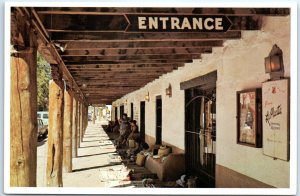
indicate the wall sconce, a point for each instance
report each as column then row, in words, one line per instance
column 126, row 102
column 169, row 91
column 147, row 97
column 274, row 63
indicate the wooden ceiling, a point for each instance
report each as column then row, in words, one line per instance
column 106, row 62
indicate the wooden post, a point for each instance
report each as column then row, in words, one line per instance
column 79, row 125
column 74, row 128
column 86, row 116
column 23, row 105
column 94, row 116
column 67, row 136
column 81, row 122
column 55, row 135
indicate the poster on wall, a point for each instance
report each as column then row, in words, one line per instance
column 276, row 119
column 248, row 117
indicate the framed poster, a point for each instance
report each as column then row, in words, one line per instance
column 276, row 119
column 249, row 118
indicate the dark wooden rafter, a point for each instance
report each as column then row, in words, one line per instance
column 135, row 52
column 143, row 37
column 212, row 10
column 130, row 62
column 117, row 82
column 137, row 58
column 122, row 66
column 94, row 45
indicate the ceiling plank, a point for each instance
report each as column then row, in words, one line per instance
column 142, row 37
column 122, row 66
column 128, row 10
column 133, row 52
column 130, row 62
column 92, row 45
column 139, row 57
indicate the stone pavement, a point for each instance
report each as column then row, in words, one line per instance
column 93, row 155
column 98, row 164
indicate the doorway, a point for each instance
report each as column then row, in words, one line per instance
column 131, row 111
column 121, row 110
column 116, row 113
column 158, row 120
column 142, row 120
column 200, row 130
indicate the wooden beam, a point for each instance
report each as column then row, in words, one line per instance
column 23, row 120
column 94, row 45
column 75, row 128
column 105, row 89
column 79, row 125
column 116, row 76
column 121, row 70
column 55, row 134
column 99, row 70
column 122, row 66
column 133, row 58
column 68, row 126
column 94, row 115
column 164, row 61
column 148, row 37
column 115, row 80
column 134, row 52
column 81, row 122
column 23, row 104
column 112, row 84
column 157, row 10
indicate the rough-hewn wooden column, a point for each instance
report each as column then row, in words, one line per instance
column 55, row 126
column 79, row 124
column 81, row 121
column 94, row 115
column 84, row 119
column 74, row 128
column 23, row 104
column 67, row 136
column 86, row 116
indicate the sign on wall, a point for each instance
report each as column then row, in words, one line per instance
column 276, row 119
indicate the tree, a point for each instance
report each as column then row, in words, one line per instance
column 43, row 77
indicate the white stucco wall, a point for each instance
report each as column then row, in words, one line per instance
column 240, row 65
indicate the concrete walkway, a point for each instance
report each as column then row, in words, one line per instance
column 94, row 157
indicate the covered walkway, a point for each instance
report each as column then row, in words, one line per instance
column 98, row 163
column 92, row 155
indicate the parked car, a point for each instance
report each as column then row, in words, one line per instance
column 44, row 116
column 42, row 129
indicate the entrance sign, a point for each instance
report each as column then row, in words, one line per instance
column 276, row 119
column 177, row 23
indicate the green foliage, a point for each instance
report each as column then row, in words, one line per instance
column 43, row 77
